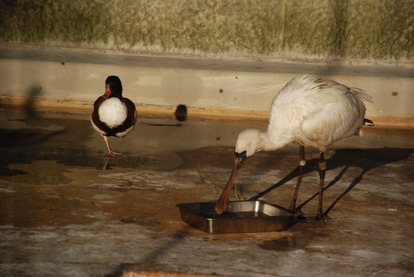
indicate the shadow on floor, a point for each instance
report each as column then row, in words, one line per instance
column 26, row 136
column 366, row 159
column 149, row 263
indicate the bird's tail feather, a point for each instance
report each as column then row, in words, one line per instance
column 361, row 95
column 368, row 122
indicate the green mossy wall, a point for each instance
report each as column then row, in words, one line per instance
column 351, row 29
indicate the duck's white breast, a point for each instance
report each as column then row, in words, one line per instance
column 112, row 112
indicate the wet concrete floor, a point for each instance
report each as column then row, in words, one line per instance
column 61, row 214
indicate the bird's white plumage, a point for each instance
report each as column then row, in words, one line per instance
column 126, row 132
column 112, row 112
column 309, row 110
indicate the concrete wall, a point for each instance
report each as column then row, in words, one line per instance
column 223, row 56
column 285, row 29
column 219, row 87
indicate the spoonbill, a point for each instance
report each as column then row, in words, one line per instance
column 310, row 111
column 113, row 115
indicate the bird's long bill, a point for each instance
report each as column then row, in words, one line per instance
column 221, row 204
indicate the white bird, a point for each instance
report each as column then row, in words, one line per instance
column 310, row 111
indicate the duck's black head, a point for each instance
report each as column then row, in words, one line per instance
column 113, row 87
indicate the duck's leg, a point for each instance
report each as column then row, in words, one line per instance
column 110, row 153
column 302, row 164
column 106, row 165
column 322, row 170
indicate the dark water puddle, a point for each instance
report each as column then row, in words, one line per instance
column 25, row 136
column 66, row 156
column 7, row 172
column 39, row 172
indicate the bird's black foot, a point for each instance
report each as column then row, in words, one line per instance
column 296, row 211
column 308, row 219
column 321, row 217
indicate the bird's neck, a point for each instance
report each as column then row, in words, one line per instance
column 271, row 143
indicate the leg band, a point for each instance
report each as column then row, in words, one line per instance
column 322, row 165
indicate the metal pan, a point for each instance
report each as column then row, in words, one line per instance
column 240, row 217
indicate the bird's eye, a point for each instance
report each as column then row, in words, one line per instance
column 242, row 155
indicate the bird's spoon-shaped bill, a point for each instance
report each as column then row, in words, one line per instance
column 221, row 204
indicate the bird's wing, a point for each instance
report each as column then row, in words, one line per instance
column 96, row 122
column 331, row 115
column 316, row 111
column 131, row 111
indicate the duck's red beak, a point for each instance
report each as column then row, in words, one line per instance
column 108, row 91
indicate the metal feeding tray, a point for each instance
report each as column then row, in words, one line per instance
column 240, row 217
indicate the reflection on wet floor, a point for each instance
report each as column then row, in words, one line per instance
column 54, row 195
column 70, row 140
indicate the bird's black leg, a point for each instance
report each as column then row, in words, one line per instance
column 302, row 164
column 322, row 170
